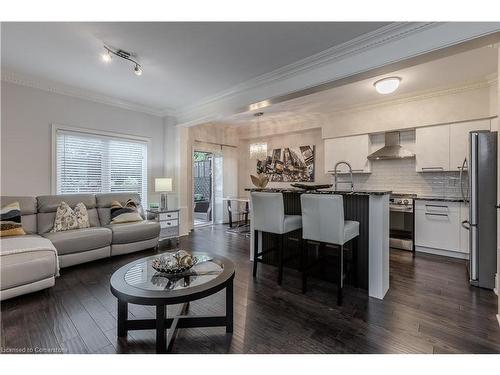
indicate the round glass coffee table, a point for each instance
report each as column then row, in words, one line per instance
column 140, row 284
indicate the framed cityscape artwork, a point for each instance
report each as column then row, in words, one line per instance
column 290, row 164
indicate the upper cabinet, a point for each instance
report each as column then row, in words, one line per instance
column 432, row 148
column 459, row 135
column 444, row 147
column 353, row 150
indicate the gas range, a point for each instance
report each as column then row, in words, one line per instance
column 401, row 202
column 402, row 221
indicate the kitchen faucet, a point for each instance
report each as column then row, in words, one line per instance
column 346, row 182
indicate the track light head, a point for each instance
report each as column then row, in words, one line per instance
column 137, row 70
column 106, row 57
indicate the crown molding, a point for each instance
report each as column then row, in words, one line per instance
column 75, row 92
column 374, row 39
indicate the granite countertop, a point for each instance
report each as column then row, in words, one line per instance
column 438, row 198
column 321, row 191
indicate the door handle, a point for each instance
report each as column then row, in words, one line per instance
column 464, row 224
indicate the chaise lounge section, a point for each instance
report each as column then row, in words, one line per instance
column 28, row 263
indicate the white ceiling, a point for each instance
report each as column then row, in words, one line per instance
column 460, row 69
column 182, row 62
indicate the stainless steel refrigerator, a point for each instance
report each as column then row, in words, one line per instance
column 481, row 165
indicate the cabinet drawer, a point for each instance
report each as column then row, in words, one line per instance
column 169, row 216
column 438, row 227
column 437, row 206
column 169, row 224
column 169, row 232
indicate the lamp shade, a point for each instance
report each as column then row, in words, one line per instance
column 163, row 184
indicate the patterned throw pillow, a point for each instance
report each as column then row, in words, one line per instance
column 65, row 218
column 10, row 218
column 124, row 214
column 82, row 216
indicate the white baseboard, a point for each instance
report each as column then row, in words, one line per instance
column 446, row 253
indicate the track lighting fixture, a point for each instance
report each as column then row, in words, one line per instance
column 107, row 56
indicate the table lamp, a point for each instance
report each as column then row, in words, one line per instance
column 163, row 185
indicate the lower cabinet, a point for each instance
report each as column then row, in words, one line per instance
column 438, row 228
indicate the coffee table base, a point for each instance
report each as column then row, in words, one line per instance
column 162, row 324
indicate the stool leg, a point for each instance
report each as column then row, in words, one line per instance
column 255, row 251
column 303, row 261
column 341, row 276
column 280, row 258
column 355, row 261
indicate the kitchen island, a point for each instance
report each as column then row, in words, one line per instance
column 371, row 210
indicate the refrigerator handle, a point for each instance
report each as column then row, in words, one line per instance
column 464, row 167
column 466, row 224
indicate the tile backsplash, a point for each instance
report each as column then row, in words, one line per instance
column 400, row 176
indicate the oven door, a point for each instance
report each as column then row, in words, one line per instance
column 401, row 228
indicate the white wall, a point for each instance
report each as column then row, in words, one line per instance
column 27, row 115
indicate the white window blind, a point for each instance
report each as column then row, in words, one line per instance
column 88, row 163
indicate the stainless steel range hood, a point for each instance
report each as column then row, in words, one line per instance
column 392, row 149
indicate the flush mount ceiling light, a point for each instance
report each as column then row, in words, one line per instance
column 387, row 85
column 107, row 57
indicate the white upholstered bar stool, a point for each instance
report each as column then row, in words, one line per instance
column 269, row 216
column 323, row 222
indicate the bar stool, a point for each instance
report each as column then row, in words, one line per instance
column 323, row 222
column 269, row 216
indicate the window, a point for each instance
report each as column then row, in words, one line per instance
column 92, row 163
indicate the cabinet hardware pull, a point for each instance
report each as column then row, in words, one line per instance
column 432, row 214
column 462, row 168
column 432, row 168
column 436, row 205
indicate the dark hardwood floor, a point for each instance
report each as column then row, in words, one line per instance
column 430, row 308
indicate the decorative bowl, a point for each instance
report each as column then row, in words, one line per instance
column 260, row 181
column 179, row 262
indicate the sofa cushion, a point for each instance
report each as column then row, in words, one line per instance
column 26, row 259
column 47, row 207
column 28, row 211
column 134, row 232
column 49, row 203
column 77, row 240
column 10, row 220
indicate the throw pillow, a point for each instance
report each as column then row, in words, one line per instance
column 124, row 214
column 10, row 220
column 65, row 218
column 82, row 216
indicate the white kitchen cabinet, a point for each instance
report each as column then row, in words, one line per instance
column 437, row 225
column 459, row 135
column 432, row 148
column 353, row 150
column 464, row 233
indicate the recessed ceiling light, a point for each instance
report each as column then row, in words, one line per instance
column 387, row 85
